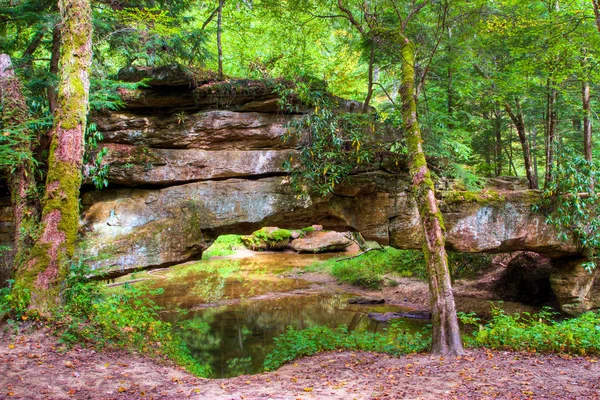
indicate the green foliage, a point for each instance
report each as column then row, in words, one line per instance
column 301, row 343
column 332, row 143
column 536, row 332
column 571, row 203
column 127, row 319
column 368, row 270
column 225, row 245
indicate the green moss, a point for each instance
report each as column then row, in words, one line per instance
column 267, row 239
column 484, row 197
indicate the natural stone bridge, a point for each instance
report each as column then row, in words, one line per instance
column 186, row 173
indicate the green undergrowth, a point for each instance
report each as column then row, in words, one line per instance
column 538, row 332
column 225, row 245
column 300, row 343
column 377, row 268
column 125, row 319
column 368, row 270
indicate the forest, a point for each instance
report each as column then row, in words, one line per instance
column 299, row 199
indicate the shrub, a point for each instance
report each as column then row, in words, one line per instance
column 225, row 245
column 127, row 319
column 536, row 332
column 294, row 344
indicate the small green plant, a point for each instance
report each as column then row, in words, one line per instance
column 536, row 332
column 294, row 344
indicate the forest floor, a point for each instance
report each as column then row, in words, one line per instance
column 34, row 365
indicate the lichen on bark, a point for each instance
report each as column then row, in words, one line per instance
column 48, row 262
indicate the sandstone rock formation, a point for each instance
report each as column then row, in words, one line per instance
column 576, row 289
column 191, row 159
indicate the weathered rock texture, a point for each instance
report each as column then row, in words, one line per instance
column 576, row 289
column 320, row 242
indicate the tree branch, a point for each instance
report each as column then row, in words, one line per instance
column 350, row 17
column 210, row 18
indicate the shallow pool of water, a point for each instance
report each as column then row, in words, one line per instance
column 238, row 337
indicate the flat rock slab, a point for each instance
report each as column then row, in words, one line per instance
column 321, row 242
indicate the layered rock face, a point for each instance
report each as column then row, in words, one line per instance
column 188, row 164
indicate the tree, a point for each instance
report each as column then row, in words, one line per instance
column 17, row 157
column 37, row 281
column 446, row 333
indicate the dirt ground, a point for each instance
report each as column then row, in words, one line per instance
column 35, row 366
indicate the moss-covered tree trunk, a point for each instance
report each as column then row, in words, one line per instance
column 446, row 333
column 21, row 174
column 38, row 282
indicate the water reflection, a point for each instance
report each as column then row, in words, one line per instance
column 237, row 338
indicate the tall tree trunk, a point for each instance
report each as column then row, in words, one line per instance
column 38, row 282
column 370, row 84
column 21, row 179
column 446, row 333
column 219, row 46
column 533, row 137
column 498, row 137
column 550, row 130
column 26, row 58
column 519, row 123
column 587, row 121
column 54, row 58
column 596, row 13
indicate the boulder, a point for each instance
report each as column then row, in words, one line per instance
column 320, row 242
column 576, row 289
column 268, row 238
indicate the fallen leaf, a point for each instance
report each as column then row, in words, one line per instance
column 308, row 389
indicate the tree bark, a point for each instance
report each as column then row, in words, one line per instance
column 446, row 334
column 219, row 46
column 587, row 121
column 596, row 13
column 498, row 138
column 550, row 130
column 54, row 57
column 33, row 45
column 38, row 282
column 370, row 84
column 22, row 177
column 519, row 123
